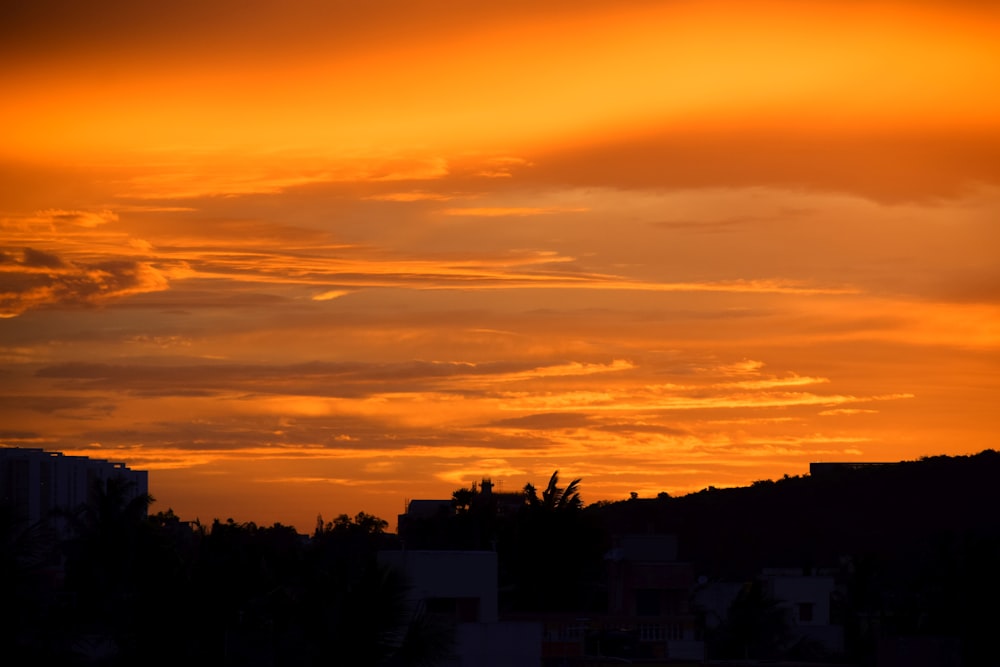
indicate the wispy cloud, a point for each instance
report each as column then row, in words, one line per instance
column 627, row 402
column 414, row 196
column 329, row 295
column 59, row 217
column 185, row 177
column 510, row 211
column 40, row 279
column 502, row 167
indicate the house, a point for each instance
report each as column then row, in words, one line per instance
column 805, row 596
column 649, row 611
column 460, row 588
column 647, row 618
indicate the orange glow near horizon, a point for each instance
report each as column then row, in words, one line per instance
column 318, row 258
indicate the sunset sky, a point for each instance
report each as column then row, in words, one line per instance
column 321, row 257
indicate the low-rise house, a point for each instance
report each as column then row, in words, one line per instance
column 805, row 597
column 649, row 594
column 460, row 588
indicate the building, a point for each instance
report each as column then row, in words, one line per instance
column 648, row 619
column 460, row 588
column 36, row 484
column 806, row 598
column 919, row 652
column 827, row 469
column 479, row 499
column 649, row 594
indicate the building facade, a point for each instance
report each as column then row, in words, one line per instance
column 36, row 485
column 460, row 588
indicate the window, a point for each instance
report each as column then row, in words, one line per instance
column 647, row 602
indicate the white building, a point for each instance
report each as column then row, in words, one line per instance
column 806, row 600
column 34, row 483
column 461, row 587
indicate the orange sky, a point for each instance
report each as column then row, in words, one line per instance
column 312, row 257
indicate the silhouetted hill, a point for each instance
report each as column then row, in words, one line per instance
column 901, row 512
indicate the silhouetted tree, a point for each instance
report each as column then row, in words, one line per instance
column 551, row 554
column 105, row 562
column 367, row 524
column 755, row 627
column 461, row 499
column 554, row 497
column 28, row 585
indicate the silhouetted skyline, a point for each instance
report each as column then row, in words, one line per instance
column 889, row 565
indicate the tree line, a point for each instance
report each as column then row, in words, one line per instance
column 128, row 588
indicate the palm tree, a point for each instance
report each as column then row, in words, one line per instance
column 552, row 552
column 553, row 497
column 109, row 524
column 756, row 626
column 107, row 556
column 461, row 499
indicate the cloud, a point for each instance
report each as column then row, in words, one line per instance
column 544, row 421
column 502, row 167
column 731, row 223
column 330, row 295
column 90, row 219
column 75, row 407
column 153, row 208
column 20, row 436
column 573, row 368
column 511, row 211
column 417, row 195
column 208, row 174
column 370, row 268
column 743, row 367
column 891, row 166
column 643, row 427
column 334, row 437
column 772, row 383
column 228, row 244
column 32, row 259
column 312, row 379
column 40, row 279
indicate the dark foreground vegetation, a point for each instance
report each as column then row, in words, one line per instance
column 915, row 547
